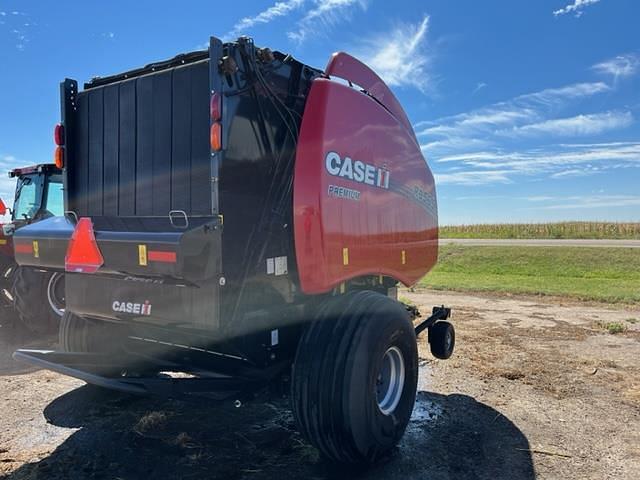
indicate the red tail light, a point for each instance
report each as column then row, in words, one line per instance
column 58, row 134
column 215, row 107
column 83, row 254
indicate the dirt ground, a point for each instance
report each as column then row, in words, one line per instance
column 537, row 388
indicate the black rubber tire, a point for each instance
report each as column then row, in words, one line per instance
column 75, row 334
column 31, row 303
column 83, row 335
column 442, row 346
column 335, row 372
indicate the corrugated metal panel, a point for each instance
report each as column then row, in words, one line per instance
column 141, row 146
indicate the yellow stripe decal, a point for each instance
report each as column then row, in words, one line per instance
column 142, row 255
column 36, row 251
column 345, row 256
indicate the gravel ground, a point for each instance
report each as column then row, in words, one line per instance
column 537, row 388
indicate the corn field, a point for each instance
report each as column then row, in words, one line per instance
column 568, row 230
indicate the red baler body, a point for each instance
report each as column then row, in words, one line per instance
column 346, row 227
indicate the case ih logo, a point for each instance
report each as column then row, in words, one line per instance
column 135, row 308
column 356, row 170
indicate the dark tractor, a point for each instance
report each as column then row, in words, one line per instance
column 238, row 220
column 33, row 299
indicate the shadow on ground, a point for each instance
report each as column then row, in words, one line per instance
column 120, row 436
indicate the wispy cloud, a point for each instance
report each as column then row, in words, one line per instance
column 277, row 10
column 578, row 125
column 620, row 66
column 576, row 8
column 552, row 96
column 401, row 56
column 324, row 15
column 556, row 162
column 528, row 109
column 472, row 177
column 479, row 86
column 575, row 202
column 18, row 26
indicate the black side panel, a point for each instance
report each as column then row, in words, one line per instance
column 200, row 148
column 96, row 151
column 181, row 140
column 161, row 183
column 79, row 169
column 144, row 150
column 140, row 147
column 111, row 143
column 127, row 157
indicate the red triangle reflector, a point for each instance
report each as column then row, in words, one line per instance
column 83, row 254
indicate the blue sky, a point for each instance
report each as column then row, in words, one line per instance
column 525, row 110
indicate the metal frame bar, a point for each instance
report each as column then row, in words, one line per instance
column 438, row 313
column 100, row 370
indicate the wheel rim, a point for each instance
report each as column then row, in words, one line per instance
column 55, row 293
column 390, row 381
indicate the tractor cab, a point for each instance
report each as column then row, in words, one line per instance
column 38, row 196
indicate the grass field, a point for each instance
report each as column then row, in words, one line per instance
column 568, row 230
column 600, row 274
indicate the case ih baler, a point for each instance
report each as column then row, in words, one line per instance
column 243, row 218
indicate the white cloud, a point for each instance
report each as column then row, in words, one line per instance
column 578, row 125
column 323, row 15
column 481, row 125
column 472, row 177
column 479, row 86
column 278, row 9
column 574, row 172
column 576, row 7
column 552, row 96
column 620, row 66
column 400, row 57
column 575, row 202
column 560, row 161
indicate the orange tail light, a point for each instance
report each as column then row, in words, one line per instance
column 215, row 136
column 59, row 157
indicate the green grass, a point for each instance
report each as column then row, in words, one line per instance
column 600, row 274
column 561, row 230
column 614, row 327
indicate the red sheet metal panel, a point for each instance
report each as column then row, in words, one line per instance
column 349, row 68
column 364, row 197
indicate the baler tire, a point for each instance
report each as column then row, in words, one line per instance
column 336, row 377
column 30, row 301
column 74, row 333
column 84, row 335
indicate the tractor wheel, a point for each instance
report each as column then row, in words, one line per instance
column 56, row 293
column 355, row 377
column 38, row 299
